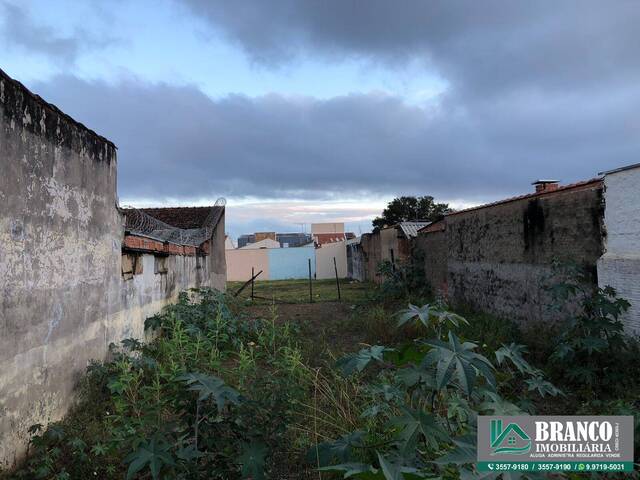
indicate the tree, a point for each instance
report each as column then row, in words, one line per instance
column 404, row 209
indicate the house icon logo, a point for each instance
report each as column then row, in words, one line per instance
column 510, row 440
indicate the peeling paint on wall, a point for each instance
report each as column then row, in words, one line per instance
column 63, row 299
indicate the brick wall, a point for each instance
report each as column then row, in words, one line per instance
column 499, row 257
column 431, row 248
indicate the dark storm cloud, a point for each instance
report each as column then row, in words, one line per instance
column 479, row 46
column 536, row 89
column 177, row 142
column 18, row 29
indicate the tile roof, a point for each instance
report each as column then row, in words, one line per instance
column 322, row 238
column 594, row 182
column 183, row 217
column 178, row 225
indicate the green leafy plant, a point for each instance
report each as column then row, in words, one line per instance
column 592, row 347
column 431, row 394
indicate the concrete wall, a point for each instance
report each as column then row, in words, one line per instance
column 63, row 298
column 59, row 260
column 385, row 245
column 619, row 267
column 355, row 261
column 432, row 249
column 499, row 257
column 370, row 243
column 324, row 260
column 289, row 263
column 276, row 263
column 240, row 262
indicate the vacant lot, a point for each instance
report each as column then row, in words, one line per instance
column 297, row 291
column 276, row 387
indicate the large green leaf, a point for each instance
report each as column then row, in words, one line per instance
column 543, row 387
column 154, row 454
column 514, row 352
column 359, row 361
column 455, row 359
column 422, row 314
column 496, row 405
column 430, row 315
column 414, row 424
column 252, row 460
column 397, row 471
column 338, row 450
column 464, row 452
column 209, row 387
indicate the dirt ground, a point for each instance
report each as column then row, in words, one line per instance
column 325, row 327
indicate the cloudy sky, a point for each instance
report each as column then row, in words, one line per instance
column 302, row 110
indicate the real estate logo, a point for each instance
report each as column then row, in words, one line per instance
column 555, row 443
column 506, row 440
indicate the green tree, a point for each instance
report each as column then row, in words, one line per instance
column 404, row 209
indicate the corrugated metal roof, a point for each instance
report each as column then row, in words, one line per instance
column 410, row 229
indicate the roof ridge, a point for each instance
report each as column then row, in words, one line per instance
column 560, row 189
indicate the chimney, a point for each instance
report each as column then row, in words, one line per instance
column 546, row 185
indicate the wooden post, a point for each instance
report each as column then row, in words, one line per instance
column 310, row 289
column 393, row 261
column 252, row 282
column 335, row 267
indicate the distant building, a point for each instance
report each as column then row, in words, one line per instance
column 329, row 233
column 285, row 239
column 264, row 243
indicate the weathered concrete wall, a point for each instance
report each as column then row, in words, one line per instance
column 619, row 267
column 63, row 297
column 147, row 292
column 500, row 256
column 240, row 262
column 432, row 249
column 355, row 261
column 385, row 245
column 370, row 243
column 59, row 259
column 324, row 260
column 217, row 274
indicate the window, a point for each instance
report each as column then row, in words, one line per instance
column 131, row 265
column 160, row 265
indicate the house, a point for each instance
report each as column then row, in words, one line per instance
column 286, row 239
column 264, row 243
column 390, row 244
column 329, row 232
column 187, row 231
column 619, row 266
